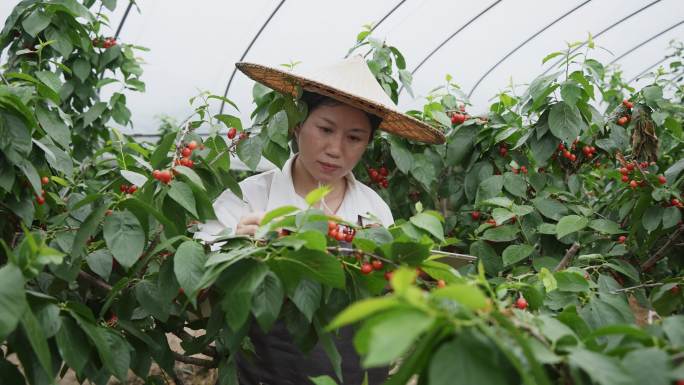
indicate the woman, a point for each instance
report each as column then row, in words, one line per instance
column 345, row 107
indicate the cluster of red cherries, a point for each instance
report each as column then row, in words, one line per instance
column 126, row 189
column 232, row 133
column 624, row 119
column 105, row 43
column 458, row 117
column 186, row 153
column 379, row 176
column 40, row 199
column 340, row 232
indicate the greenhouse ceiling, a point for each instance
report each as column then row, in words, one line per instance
column 484, row 45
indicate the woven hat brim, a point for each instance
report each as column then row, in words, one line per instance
column 393, row 121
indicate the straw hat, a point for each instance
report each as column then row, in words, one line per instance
column 349, row 81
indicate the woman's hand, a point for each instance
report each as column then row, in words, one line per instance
column 249, row 223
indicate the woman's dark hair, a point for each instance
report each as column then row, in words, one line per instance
column 314, row 100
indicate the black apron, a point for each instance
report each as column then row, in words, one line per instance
column 279, row 361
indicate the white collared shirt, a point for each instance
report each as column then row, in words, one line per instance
column 274, row 188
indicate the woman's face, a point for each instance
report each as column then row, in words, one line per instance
column 332, row 140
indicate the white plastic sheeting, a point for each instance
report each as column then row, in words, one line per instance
column 194, row 44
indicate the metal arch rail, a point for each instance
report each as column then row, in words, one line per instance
column 646, row 41
column 244, row 54
column 603, row 31
column 123, row 19
column 464, row 26
column 648, row 68
column 523, row 43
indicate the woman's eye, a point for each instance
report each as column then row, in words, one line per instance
column 326, row 129
column 354, row 138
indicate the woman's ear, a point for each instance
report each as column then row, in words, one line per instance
column 296, row 129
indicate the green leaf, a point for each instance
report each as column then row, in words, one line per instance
column 565, row 122
column 238, row 284
column 548, row 280
column 322, row 380
column 429, row 223
column 603, row 369
column 36, row 22
column 504, row 233
column 100, row 262
column 229, row 121
column 460, row 145
column 571, row 93
column 192, row 176
column 490, row 259
column 402, row 157
column 94, row 113
column 648, row 366
column 469, row 296
column 550, row 208
column 516, row 253
column 54, row 126
column 12, row 299
column 81, row 69
column 307, row 297
column 314, row 196
column 88, row 228
column 671, row 216
column 361, row 310
column 124, row 237
column 249, row 151
column 394, row 334
column 148, row 297
column 571, row 281
column 652, row 218
column 570, row 224
column 277, row 128
column 188, row 265
column 673, row 326
column 489, row 188
column 267, row 301
column 515, row 184
column 50, row 79
column 38, row 341
column 134, row 177
column 182, row 194
column 73, row 345
column 501, row 215
column 467, row 360
column 314, row 264
column 605, row 226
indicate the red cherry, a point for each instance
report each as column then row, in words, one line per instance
column 374, row 175
column 675, row 202
column 622, row 239
column 340, row 236
column 384, row 183
column 622, row 120
column 491, row 221
column 366, row 268
column 331, row 225
column 675, row 290
column 165, row 176
column 40, row 200
column 441, row 283
column 181, row 291
column 573, row 157
column 123, row 188
column 108, row 213
column 192, row 145
column 627, row 103
column 630, row 166
column 561, row 147
column 377, row 264
column 523, row 169
column 112, row 320
column 333, row 233
column 521, row 303
column 624, row 170
column 515, row 170
column 503, row 151
column 186, row 152
column 383, row 171
column 625, row 178
column 567, row 154
column 44, row 180
column 155, row 174
column 586, row 150
column 633, row 184
column 388, row 275
column 132, row 189
column 348, row 237
column 475, row 215
column 232, row 132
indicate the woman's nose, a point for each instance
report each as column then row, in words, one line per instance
column 335, row 145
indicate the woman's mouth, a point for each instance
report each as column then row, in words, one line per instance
column 328, row 167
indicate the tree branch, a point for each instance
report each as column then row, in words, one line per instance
column 568, row 257
column 94, row 281
column 661, row 252
column 194, row 361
